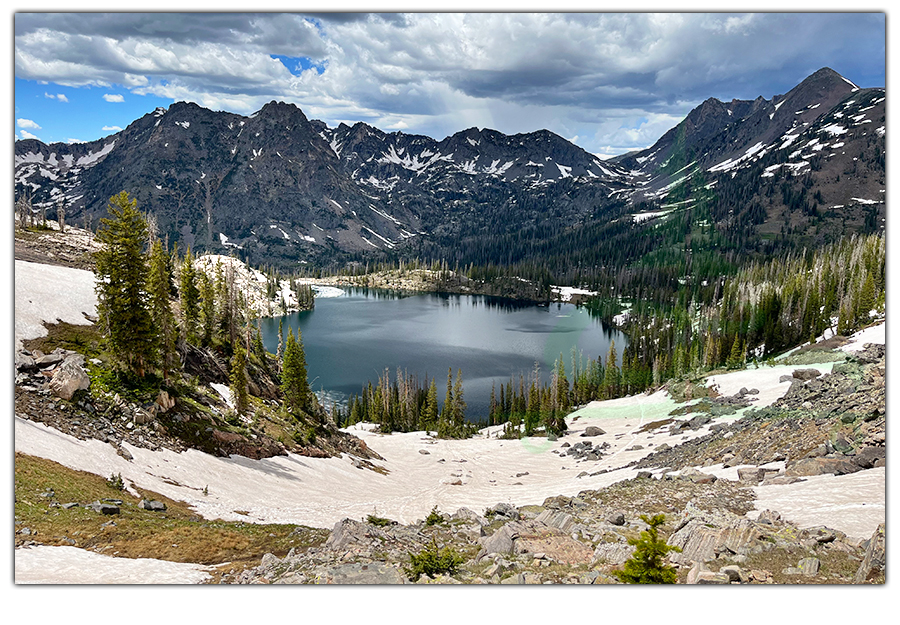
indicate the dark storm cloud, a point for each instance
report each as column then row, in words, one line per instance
column 270, row 31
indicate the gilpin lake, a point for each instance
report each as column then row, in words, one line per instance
column 353, row 335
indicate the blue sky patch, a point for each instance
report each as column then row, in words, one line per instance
column 297, row 64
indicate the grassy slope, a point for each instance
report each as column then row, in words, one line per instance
column 176, row 534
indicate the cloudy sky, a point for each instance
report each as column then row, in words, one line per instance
column 609, row 82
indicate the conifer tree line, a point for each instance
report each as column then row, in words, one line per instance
column 155, row 306
column 764, row 309
column 406, row 405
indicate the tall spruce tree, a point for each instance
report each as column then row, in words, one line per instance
column 161, row 311
column 121, row 269
column 294, row 383
column 239, row 382
column 207, row 309
column 458, row 414
column 444, row 422
column 430, row 411
column 189, row 295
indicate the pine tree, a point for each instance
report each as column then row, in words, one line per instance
column 445, row 420
column 161, row 310
column 430, row 411
column 294, row 383
column 736, row 357
column 207, row 310
column 458, row 415
column 238, row 380
column 611, row 374
column 121, row 286
column 645, row 566
column 562, row 384
column 866, row 298
column 279, row 354
column 190, row 298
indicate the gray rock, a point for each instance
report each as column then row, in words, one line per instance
column 424, row 452
column 69, row 378
column 502, row 541
column 142, row 417
column 464, row 514
column 616, row 518
column 752, row 475
column 558, row 520
column 701, row 543
column 517, row 578
column 24, row 362
column 164, row 402
column 346, row 532
column 507, row 510
column 154, row 505
column 809, row 567
column 806, row 374
column 867, row 457
column 104, row 508
column 48, row 360
column 613, row 553
column 820, row 466
column 359, row 573
column 735, row 574
column 697, row 477
column 875, row 559
column 593, row 430
column 768, row 517
column 709, row 577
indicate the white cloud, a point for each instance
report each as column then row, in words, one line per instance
column 439, row 73
column 113, row 97
column 24, row 134
column 27, row 123
column 112, row 128
column 59, row 96
column 75, row 141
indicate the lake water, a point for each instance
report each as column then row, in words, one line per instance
column 350, row 339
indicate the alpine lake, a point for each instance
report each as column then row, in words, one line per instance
column 354, row 334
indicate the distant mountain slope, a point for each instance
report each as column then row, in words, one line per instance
column 807, row 165
column 279, row 185
column 276, row 187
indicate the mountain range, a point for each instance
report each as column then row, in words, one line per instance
column 276, row 187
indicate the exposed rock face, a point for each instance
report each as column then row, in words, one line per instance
column 69, row 378
column 575, row 540
column 875, row 560
column 701, row 543
column 833, row 423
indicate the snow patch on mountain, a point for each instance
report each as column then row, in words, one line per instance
column 94, row 157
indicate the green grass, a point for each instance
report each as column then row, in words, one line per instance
column 178, row 534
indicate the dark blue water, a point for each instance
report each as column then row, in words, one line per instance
column 351, row 339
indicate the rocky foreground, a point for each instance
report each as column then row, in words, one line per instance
column 834, row 423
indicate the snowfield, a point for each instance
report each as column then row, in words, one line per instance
column 421, row 472
column 51, row 293
column 70, row 565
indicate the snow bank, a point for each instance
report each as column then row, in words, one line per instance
column 565, row 293
column 71, row 565
column 872, row 334
column 765, row 379
column 327, row 291
column 474, row 473
column 51, row 293
column 853, row 504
